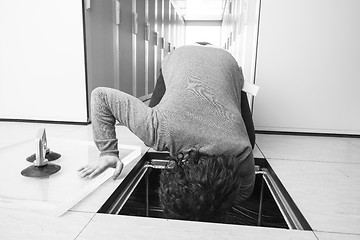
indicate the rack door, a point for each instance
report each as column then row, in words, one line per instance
column 42, row 61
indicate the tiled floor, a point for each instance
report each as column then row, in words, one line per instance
column 13, row 133
column 304, row 148
column 322, row 176
column 320, row 173
column 109, row 227
column 31, row 226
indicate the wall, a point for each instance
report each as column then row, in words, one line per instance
column 304, row 56
column 307, row 66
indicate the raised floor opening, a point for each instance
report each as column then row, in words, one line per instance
column 269, row 206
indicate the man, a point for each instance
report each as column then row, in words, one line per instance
column 198, row 120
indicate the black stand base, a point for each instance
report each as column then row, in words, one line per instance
column 42, row 171
column 50, row 156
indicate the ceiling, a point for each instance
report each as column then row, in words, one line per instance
column 197, row 10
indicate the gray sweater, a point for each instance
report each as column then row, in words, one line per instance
column 200, row 108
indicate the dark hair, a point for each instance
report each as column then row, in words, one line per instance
column 200, row 187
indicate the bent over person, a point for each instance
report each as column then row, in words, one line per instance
column 199, row 120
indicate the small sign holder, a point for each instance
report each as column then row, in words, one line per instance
column 41, row 167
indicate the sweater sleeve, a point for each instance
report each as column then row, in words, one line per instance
column 110, row 105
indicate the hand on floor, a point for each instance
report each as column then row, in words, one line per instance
column 94, row 168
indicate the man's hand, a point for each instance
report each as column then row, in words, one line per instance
column 97, row 167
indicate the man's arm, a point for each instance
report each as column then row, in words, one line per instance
column 108, row 106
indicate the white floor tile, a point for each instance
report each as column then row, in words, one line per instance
column 23, row 225
column 355, row 141
column 13, row 132
column 325, row 149
column 336, row 236
column 327, row 194
column 127, row 227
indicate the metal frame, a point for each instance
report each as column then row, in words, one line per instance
column 292, row 215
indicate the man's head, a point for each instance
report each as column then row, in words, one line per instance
column 200, row 187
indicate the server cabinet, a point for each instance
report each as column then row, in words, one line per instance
column 172, row 27
column 150, row 38
column 166, row 33
column 307, row 67
column 140, row 49
column 42, row 61
column 176, row 31
column 160, row 31
column 126, row 57
column 111, row 32
column 102, row 38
